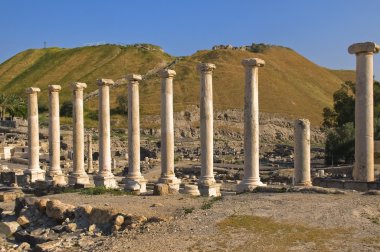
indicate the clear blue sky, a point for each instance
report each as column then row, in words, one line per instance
column 321, row 30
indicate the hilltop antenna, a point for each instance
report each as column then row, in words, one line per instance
column 44, row 44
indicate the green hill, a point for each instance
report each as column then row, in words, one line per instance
column 289, row 84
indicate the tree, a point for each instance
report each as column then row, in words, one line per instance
column 12, row 105
column 122, row 101
column 339, row 121
column 66, row 109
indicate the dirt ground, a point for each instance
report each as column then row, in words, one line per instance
column 245, row 222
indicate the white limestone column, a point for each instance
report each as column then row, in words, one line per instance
column 34, row 171
column 302, row 152
column 251, row 125
column 134, row 180
column 55, row 172
column 90, row 165
column 79, row 175
column 167, row 130
column 364, row 135
column 105, row 176
column 207, row 185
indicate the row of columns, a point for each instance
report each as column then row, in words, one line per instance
column 363, row 170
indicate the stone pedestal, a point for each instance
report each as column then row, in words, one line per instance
column 90, row 165
column 251, row 177
column 207, row 184
column 55, row 173
column 192, row 190
column 167, row 131
column 79, row 175
column 302, row 153
column 105, row 176
column 364, row 135
column 34, row 172
column 134, row 180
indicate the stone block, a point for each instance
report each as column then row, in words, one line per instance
column 161, row 189
column 59, row 211
column 356, row 185
column 9, row 228
column 47, row 246
column 10, row 196
column 210, row 190
column 192, row 190
column 23, row 221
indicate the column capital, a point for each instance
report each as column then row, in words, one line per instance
column 206, row 67
column 134, row 78
column 166, row 73
column 32, row 90
column 54, row 88
column 253, row 62
column 365, row 47
column 105, row 82
column 78, row 86
column 302, row 122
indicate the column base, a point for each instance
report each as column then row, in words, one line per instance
column 305, row 183
column 172, row 182
column 82, row 179
column 192, row 190
column 248, row 185
column 135, row 184
column 35, row 175
column 57, row 179
column 212, row 190
column 107, row 181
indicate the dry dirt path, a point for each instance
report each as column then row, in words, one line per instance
column 246, row 222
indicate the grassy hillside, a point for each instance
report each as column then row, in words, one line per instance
column 289, row 84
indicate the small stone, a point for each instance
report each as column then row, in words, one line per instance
column 119, row 220
column 116, row 228
column 92, row 228
column 23, row 221
column 71, row 227
column 9, row 228
column 157, row 205
column 23, row 246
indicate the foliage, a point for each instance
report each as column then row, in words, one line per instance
column 12, row 105
column 208, row 204
column 339, row 123
column 66, row 109
column 340, row 144
column 122, row 101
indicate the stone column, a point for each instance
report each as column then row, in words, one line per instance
column 105, row 176
column 55, row 172
column 251, row 125
column 134, row 180
column 167, row 131
column 34, row 171
column 302, row 152
column 364, row 139
column 207, row 185
column 90, row 165
column 78, row 175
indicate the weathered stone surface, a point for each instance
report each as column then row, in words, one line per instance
column 41, row 204
column 101, row 216
column 47, row 246
column 59, row 211
column 9, row 228
column 10, row 196
column 23, row 221
column 161, row 189
column 23, row 247
column 37, row 236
